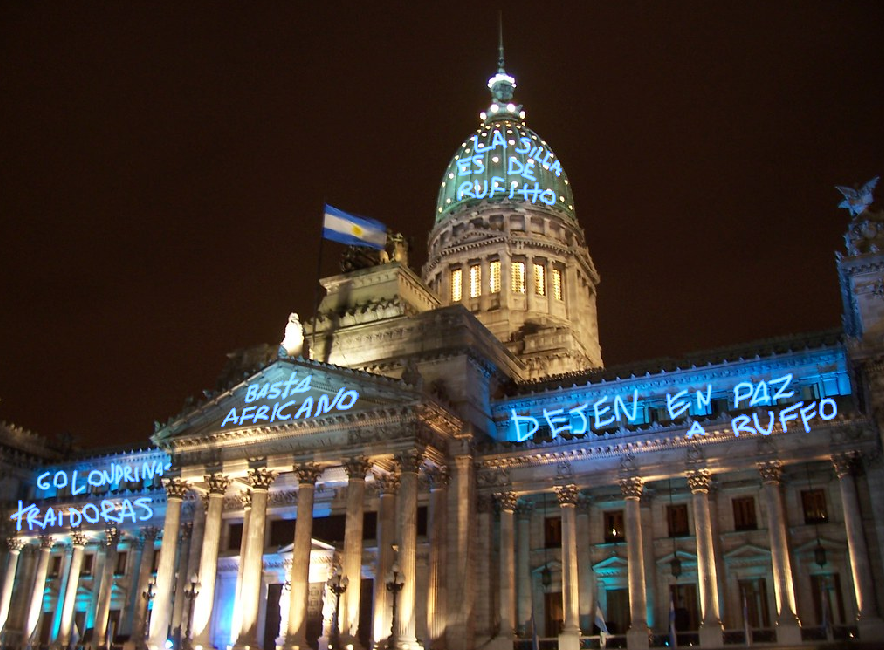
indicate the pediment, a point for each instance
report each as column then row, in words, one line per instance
column 612, row 566
column 286, row 391
column 748, row 554
column 828, row 544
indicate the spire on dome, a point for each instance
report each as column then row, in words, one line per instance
column 501, row 85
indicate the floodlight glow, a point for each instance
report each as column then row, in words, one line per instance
column 501, row 76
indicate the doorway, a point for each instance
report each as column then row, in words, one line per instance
column 617, row 616
column 687, row 607
column 555, row 613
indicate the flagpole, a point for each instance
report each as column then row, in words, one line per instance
column 316, row 295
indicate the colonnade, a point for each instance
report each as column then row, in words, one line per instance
column 515, row 588
column 447, row 599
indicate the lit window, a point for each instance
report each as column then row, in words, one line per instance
column 615, row 531
column 539, row 280
column 475, row 281
column 557, row 284
column 456, row 285
column 814, row 502
column 495, row 276
column 518, row 279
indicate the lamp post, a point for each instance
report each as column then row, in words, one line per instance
column 191, row 591
column 395, row 582
column 148, row 594
column 338, row 586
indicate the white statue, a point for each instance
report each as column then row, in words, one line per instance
column 857, row 200
column 293, row 342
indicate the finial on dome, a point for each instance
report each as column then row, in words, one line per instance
column 501, row 84
column 500, row 40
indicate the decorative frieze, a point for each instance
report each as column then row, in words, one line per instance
column 282, row 498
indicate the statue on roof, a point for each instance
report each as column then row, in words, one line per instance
column 857, row 199
column 293, row 342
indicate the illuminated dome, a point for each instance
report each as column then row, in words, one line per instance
column 504, row 160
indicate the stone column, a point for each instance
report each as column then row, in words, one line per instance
column 586, row 575
column 35, row 607
column 788, row 630
column 102, row 613
column 870, row 624
column 569, row 637
column 296, row 637
column 237, row 603
column 437, row 590
column 483, row 543
column 459, row 632
column 711, row 629
column 523, row 568
column 260, row 480
column 15, row 545
column 637, row 635
column 352, row 564
column 179, row 600
column 78, row 542
column 162, row 604
column 409, row 462
column 388, row 485
column 507, row 502
column 145, row 568
column 208, row 566
column 191, row 564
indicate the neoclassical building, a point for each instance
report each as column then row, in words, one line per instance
column 445, row 462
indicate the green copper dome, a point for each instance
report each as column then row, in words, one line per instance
column 504, row 160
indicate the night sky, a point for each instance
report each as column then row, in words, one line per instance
column 163, row 167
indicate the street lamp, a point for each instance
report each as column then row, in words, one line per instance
column 338, row 586
column 148, row 594
column 395, row 582
column 191, row 591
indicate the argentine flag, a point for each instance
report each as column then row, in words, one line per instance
column 349, row 229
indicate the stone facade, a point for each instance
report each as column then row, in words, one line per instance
column 464, row 461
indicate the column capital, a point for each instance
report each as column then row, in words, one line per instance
column 410, row 460
column 46, row 542
column 567, row 494
column 844, row 464
column 245, row 498
column 387, row 483
column 307, row 472
column 357, row 467
column 217, row 483
column 699, row 480
column 631, row 487
column 78, row 538
column 524, row 509
column 260, row 479
column 175, row 488
column 111, row 536
column 507, row 501
column 14, row 544
column 438, row 477
column 771, row 471
column 584, row 503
